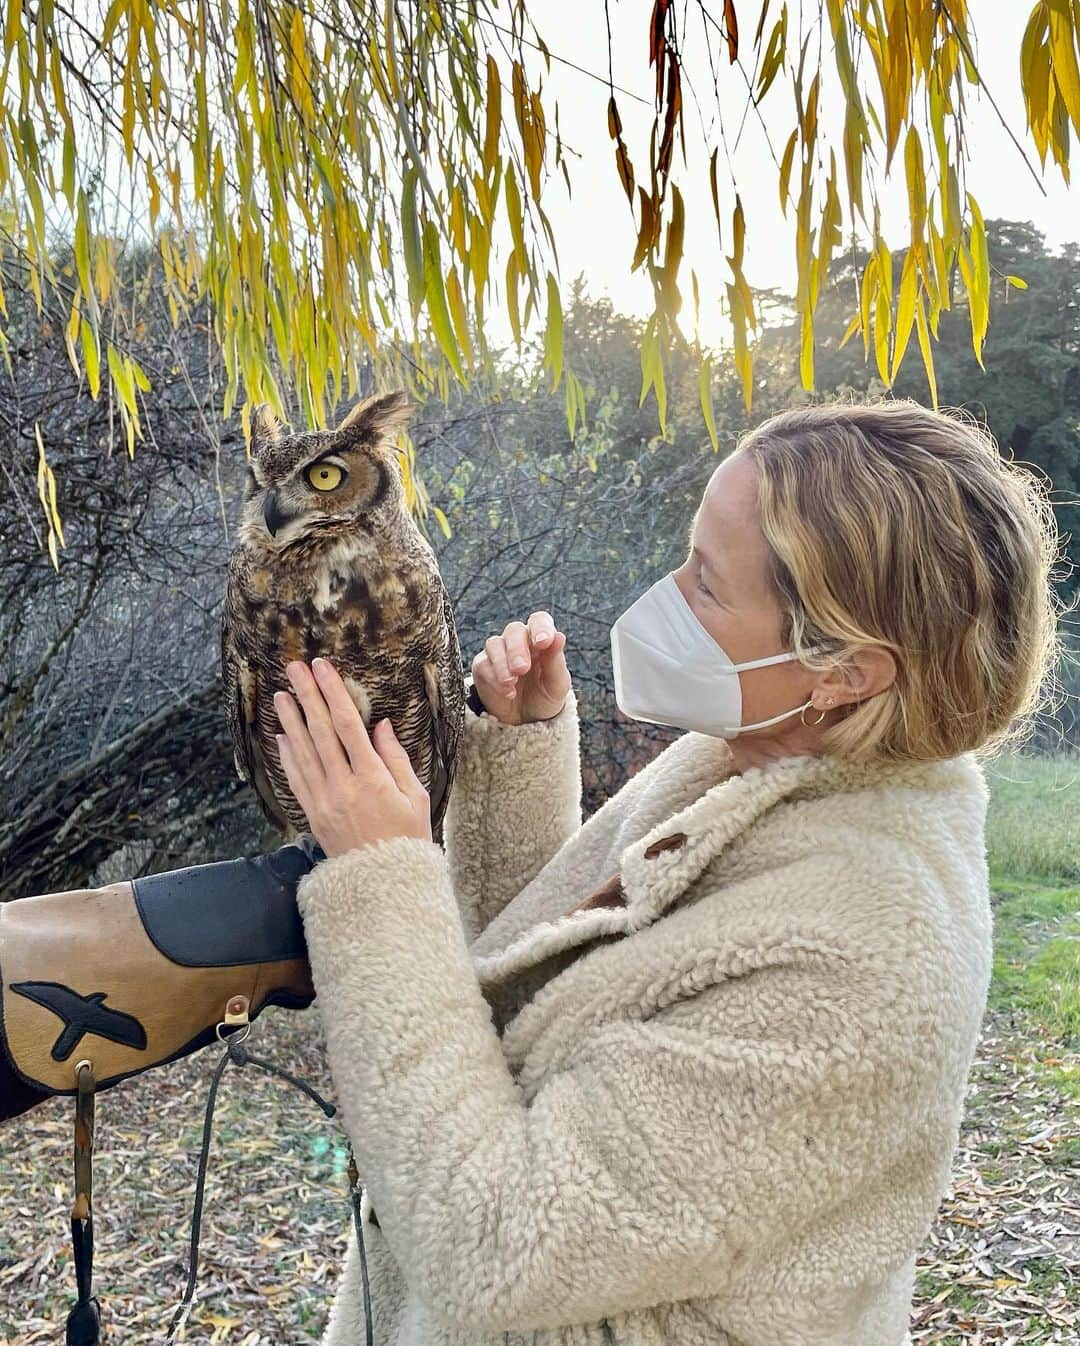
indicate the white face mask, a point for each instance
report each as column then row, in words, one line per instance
column 669, row 670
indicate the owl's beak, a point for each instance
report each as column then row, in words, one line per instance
column 272, row 514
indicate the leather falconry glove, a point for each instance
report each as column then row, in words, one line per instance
column 135, row 974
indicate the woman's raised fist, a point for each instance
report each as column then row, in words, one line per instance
column 521, row 675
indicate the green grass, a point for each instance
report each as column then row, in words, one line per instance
column 1037, row 956
column 1033, row 824
column 1033, row 849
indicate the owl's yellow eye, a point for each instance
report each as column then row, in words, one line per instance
column 325, row 476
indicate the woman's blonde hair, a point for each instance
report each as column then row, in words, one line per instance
column 894, row 525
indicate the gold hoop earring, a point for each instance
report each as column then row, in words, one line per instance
column 819, row 719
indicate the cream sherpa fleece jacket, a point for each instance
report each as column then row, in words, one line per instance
column 722, row 1111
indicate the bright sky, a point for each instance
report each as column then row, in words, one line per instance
column 594, row 229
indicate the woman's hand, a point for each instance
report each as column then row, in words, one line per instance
column 356, row 789
column 521, row 676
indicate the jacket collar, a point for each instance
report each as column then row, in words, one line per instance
column 656, row 869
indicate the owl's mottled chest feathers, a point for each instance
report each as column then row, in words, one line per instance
column 341, row 597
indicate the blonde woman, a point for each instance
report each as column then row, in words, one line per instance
column 690, row 1072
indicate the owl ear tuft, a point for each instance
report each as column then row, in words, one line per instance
column 380, row 416
column 265, row 426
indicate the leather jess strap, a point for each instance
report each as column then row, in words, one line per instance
column 134, row 974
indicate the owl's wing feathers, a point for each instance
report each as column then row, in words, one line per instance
column 446, row 695
column 240, row 678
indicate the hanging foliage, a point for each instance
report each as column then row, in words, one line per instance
column 355, row 186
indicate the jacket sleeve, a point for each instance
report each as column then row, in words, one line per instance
column 516, row 798
column 653, row 1167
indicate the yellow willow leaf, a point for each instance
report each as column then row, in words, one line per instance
column 705, row 394
column 885, row 268
column 941, row 271
column 517, row 223
column 927, row 352
column 121, row 377
column 979, row 289
column 68, row 180
column 673, row 253
column 34, row 279
column 1059, row 133
column 905, row 310
column 553, row 332
column 487, row 199
column 91, row 358
column 456, row 301
column 129, row 429
column 139, row 375
column 856, row 138
column 46, row 483
column 13, row 26
column 517, row 82
column 512, row 309
column 738, row 223
column 575, row 402
column 867, row 293
column 951, row 213
column 82, row 246
column 773, row 60
column 410, row 240
column 916, row 182
column 806, row 351
column 650, row 359
column 1017, row 282
column 712, row 189
column 388, row 47
column 882, row 323
column 71, row 334
column 849, row 331
column 127, row 116
column 785, row 169
column 441, row 519
column 742, row 358
column 534, row 154
column 479, row 259
column 625, row 170
column 530, row 302
column 457, row 223
column 1063, row 55
column 155, row 195
column 300, row 66
column 647, row 234
column 104, row 267
column 1035, row 77
column 937, row 119
column 674, row 248
column 830, row 236
column 810, row 119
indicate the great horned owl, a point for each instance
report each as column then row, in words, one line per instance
column 329, row 562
